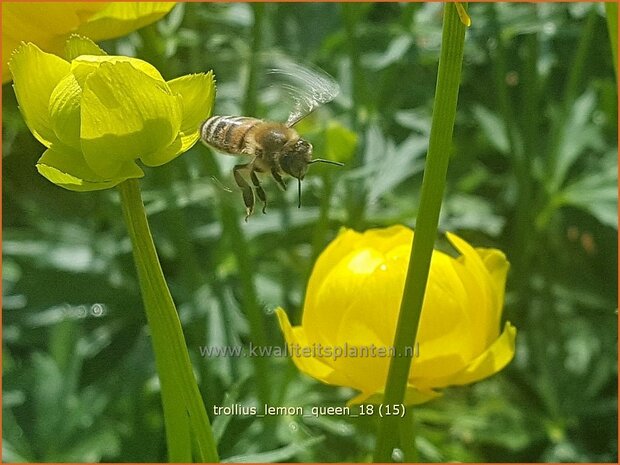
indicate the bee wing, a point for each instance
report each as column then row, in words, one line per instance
column 307, row 87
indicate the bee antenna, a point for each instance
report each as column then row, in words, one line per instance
column 299, row 192
column 322, row 160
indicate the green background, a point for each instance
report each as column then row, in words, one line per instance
column 533, row 173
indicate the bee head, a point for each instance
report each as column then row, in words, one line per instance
column 294, row 159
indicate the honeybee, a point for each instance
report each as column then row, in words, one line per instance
column 276, row 148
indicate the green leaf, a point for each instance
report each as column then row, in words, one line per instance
column 35, row 75
column 493, row 128
column 16, row 447
column 578, row 134
column 469, row 212
column 126, row 114
column 47, row 391
column 10, row 453
column 394, row 53
column 284, row 454
column 387, row 165
column 221, row 422
column 596, row 192
column 101, row 441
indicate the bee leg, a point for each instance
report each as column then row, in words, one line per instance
column 259, row 190
column 278, row 179
column 246, row 190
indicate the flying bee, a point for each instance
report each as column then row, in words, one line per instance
column 276, row 148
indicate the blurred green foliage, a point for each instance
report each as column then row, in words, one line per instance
column 534, row 173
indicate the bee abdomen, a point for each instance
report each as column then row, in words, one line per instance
column 227, row 133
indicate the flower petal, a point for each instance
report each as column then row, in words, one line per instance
column 164, row 155
column 78, row 45
column 480, row 295
column 446, row 325
column 413, row 396
column 310, row 365
column 496, row 357
column 365, row 286
column 84, row 65
column 125, row 114
column 497, row 266
column 120, row 18
column 67, row 168
column 36, row 75
column 198, row 94
column 64, row 111
column 45, row 24
column 366, row 359
column 361, row 251
column 348, row 240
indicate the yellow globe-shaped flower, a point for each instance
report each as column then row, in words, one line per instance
column 98, row 114
column 353, row 299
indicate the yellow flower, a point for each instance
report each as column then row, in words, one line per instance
column 48, row 25
column 98, row 114
column 352, row 304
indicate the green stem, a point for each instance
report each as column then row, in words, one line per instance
column 407, row 437
column 500, row 71
column 245, row 264
column 322, row 225
column 286, row 278
column 184, row 411
column 351, row 14
column 251, row 90
column 356, row 192
column 518, row 155
column 580, row 60
column 153, row 46
column 433, row 184
column 611, row 13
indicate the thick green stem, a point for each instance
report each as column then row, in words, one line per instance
column 407, row 437
column 433, row 184
column 184, row 411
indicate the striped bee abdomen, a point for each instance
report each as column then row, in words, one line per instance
column 227, row 133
